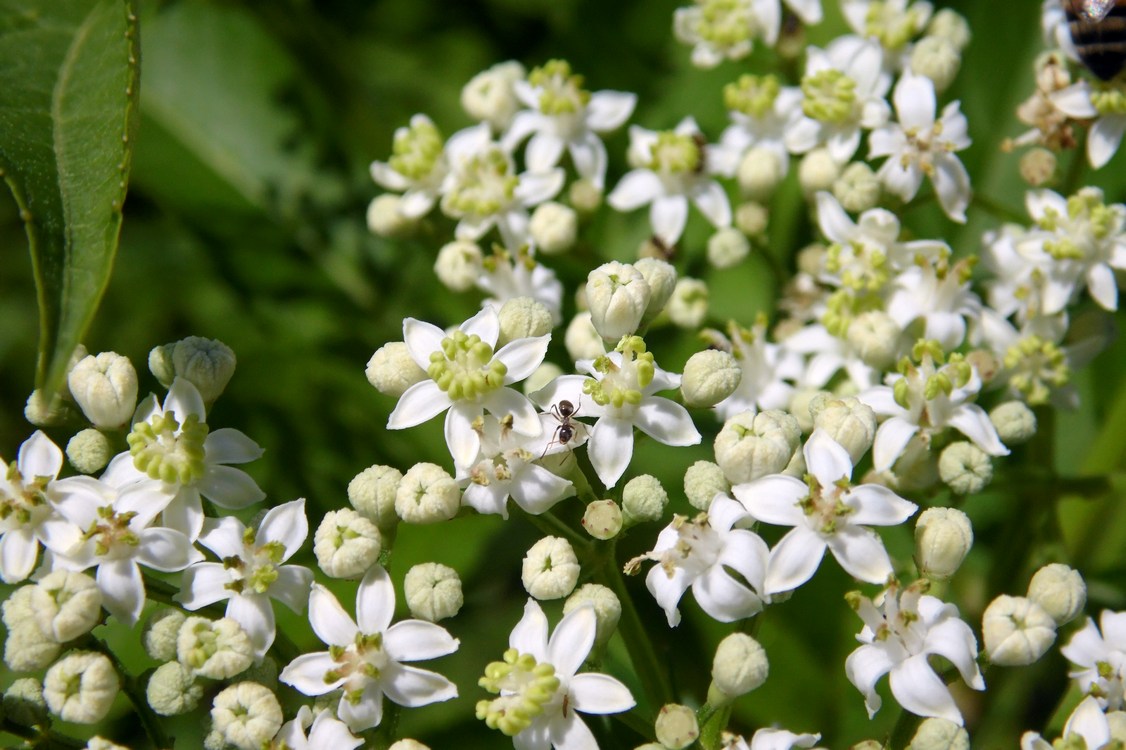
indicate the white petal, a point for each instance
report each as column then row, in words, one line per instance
column 183, row 399
column 637, row 188
column 864, row 667
column 123, row 590
column 914, row 102
column 530, row 634
column 875, row 505
column 223, row 536
column 723, row 598
column 365, row 714
column 203, row 584
column 666, row 421
column 412, row 687
column 861, row 553
column 330, row 622
column 746, row 553
column 667, row 216
column 589, row 157
column 608, row 110
column 1104, row 139
column 794, row 560
column 291, row 587
column 535, row 489
column 422, row 340
column 287, row 524
column 375, row 601
column 952, row 183
column 834, row 222
column 570, row 733
column 668, row 589
column 536, row 187
column 954, row 640
column 826, row 459
column 599, row 694
column 230, row 446
column 485, row 325
column 522, row 356
column 415, row 640
column 610, row 449
column 919, row 690
column 572, row 640
column 973, row 422
column 307, row 673
column 39, row 457
column 462, row 440
column 713, row 203
column 891, row 438
column 419, row 403
column 19, row 549
column 256, row 615
column 229, row 487
column 166, row 550
column 773, row 499
column 1102, row 286
column 543, row 152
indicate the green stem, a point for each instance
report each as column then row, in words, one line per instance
column 550, row 525
column 905, row 727
column 38, row 736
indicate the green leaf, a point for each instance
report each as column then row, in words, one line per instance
column 69, row 73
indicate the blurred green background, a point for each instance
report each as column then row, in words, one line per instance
column 245, row 222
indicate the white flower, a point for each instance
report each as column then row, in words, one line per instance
column 891, row 22
column 761, row 111
column 1087, row 722
column 939, row 296
column 1103, row 102
column 696, row 553
column 771, row 739
column 416, row 168
column 829, row 354
column 174, row 444
column 482, row 189
column 918, row 145
column 467, row 378
column 827, row 513
column 563, row 115
column 674, row 170
column 326, row 732
column 27, row 515
column 366, row 654
column 251, row 571
column 506, row 276
column 1100, row 659
column 725, row 29
column 619, row 393
column 899, row 635
column 768, row 372
column 539, row 693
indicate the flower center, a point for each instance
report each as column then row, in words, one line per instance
column 621, row 385
column 697, row 546
column 465, row 368
column 676, row 154
column 829, row 96
column 1036, row 367
column 256, row 574
column 357, row 664
column 725, row 23
column 416, row 150
column 922, row 145
column 112, row 534
column 525, row 687
column 22, row 501
column 485, row 185
column 167, row 450
column 823, row 506
column 561, row 91
column 1109, row 99
column 752, row 95
column 892, row 26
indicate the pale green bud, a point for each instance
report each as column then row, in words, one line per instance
column 407, row 744
column 81, row 687
column 550, row 569
column 1015, row 422
column 727, row 247
column 523, row 317
column 752, row 219
column 676, row 726
column 427, row 494
column 618, row 296
column 868, row 745
column 105, row 388
column 218, row 649
column 965, row 468
column 42, row 411
column 385, row 217
column 1017, row 631
column 173, row 690
column 607, row 608
column 543, row 375
column 759, row 173
column 392, row 370
column 489, row 96
column 858, row 188
column 938, row 59
column 740, row 666
column 433, row 591
column 848, row 421
column 1038, row 166
column 585, row 196
column 372, row 492
column 916, row 468
column 208, row 364
column 1060, row 591
column 660, row 276
column 89, row 451
column 688, row 306
column 643, row 499
column 101, row 743
column 161, row 364
column 818, row 171
column 160, row 633
column 939, row 734
column 26, row 648
column 943, row 537
column 709, row 377
column 801, row 406
column 581, row 339
column 459, row 265
column 751, row 445
column 346, row 544
column 950, row 25
column 703, row 481
column 602, row 519
column 66, row 605
column 553, row 228
column 874, row 336
column 247, row 715
column 650, row 746
column 23, row 702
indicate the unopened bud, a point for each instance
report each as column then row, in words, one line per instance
column 660, row 276
column 688, row 306
column 602, row 519
column 553, row 228
column 703, row 481
column 372, row 492
column 66, row 605
column 940, row 734
column 581, row 339
column 489, row 95
column 965, row 468
column 160, row 633
column 246, row 715
column 523, row 317
column 752, row 219
column 1060, row 591
column 950, row 25
column 346, row 544
column 740, row 666
column 849, row 422
column 709, row 377
column 818, row 171
column 1017, row 631
column 759, row 173
column 105, row 388
column 585, row 196
column 427, row 494
column 407, row 744
column 208, row 364
column 607, row 608
column 458, row 265
column 874, row 336
column 173, row 690
column 643, row 499
column 23, row 702
column 938, row 59
column 81, row 687
column 385, row 217
column 43, row 411
column 858, row 188
column 433, row 591
column 1038, row 166
column 392, row 370
column 618, row 296
column 750, row 445
column 218, row 649
column 550, row 569
column 1015, row 422
column 676, row 726
column 89, row 451
column 943, row 537
column 727, row 247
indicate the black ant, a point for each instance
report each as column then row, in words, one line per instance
column 563, row 411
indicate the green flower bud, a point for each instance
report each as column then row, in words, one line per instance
column 523, row 317
column 688, row 306
column 66, row 605
column 433, row 591
column 751, row 445
column 940, row 734
column 160, row 633
column 618, row 296
column 1015, row 422
column 105, row 388
column 752, row 219
column 759, row 173
column 372, row 492
column 581, row 339
column 173, row 690
column 1017, row 631
column 740, row 666
column 943, row 536
column 965, row 468
column 643, row 499
column 427, row 494
column 346, row 544
column 81, row 687
column 553, row 228
column 848, row 421
column 89, row 451
column 385, row 217
column 207, row 363
column 817, row 171
column 676, row 726
column 23, row 702
column 246, row 715
column 602, row 519
column 858, row 188
column 607, row 608
column 459, row 265
column 550, row 569
column 489, row 96
column 874, row 336
column 660, row 276
column 218, row 649
column 938, row 59
column 702, row 482
column 392, row 370
column 1060, row 591
column 585, row 196
column 709, row 377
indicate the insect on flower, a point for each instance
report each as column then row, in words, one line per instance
column 1098, row 28
column 563, row 412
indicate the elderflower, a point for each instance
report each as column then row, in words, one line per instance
column 81, row 687
column 105, row 388
column 218, row 649
column 172, row 689
column 433, row 591
column 550, row 569
column 1017, row 631
column 325, row 731
column 66, row 605
column 246, row 715
column 346, row 544
column 1098, row 654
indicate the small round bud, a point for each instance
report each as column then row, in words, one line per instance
column 105, row 388
column 372, row 492
column 950, row 25
column 23, row 702
column 660, row 276
column 89, row 451
column 101, row 743
column 247, row 715
column 208, row 364
column 523, row 317
column 752, row 219
column 553, row 227
column 727, row 247
column 581, row 339
column 550, row 569
column 800, row 406
column 740, row 666
column 1016, row 630
column 160, row 633
column 26, row 649
column 858, row 188
column 868, row 745
column 1060, row 591
column 759, row 173
column 607, row 608
column 80, row 687
column 943, row 536
column 702, row 482
column 66, row 605
column 1015, row 422
column 602, row 519
column 543, row 375
column 643, row 499
column 459, row 265
column 346, row 544
column 751, row 445
column 676, row 726
column 218, row 649
column 585, row 196
column 965, row 468
column 940, row 734
column 433, row 591
column 874, row 336
column 849, row 422
column 385, row 217
column 161, row 365
column 392, row 370
column 42, row 411
column 407, row 744
column 489, row 96
column 688, row 306
column 650, row 746
column 916, row 468
column 709, row 377
column 938, row 59
column 1038, row 166
column 427, row 494
column 618, row 296
column 818, row 171
column 173, row 690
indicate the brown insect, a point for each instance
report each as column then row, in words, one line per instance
column 563, row 412
column 1098, row 28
